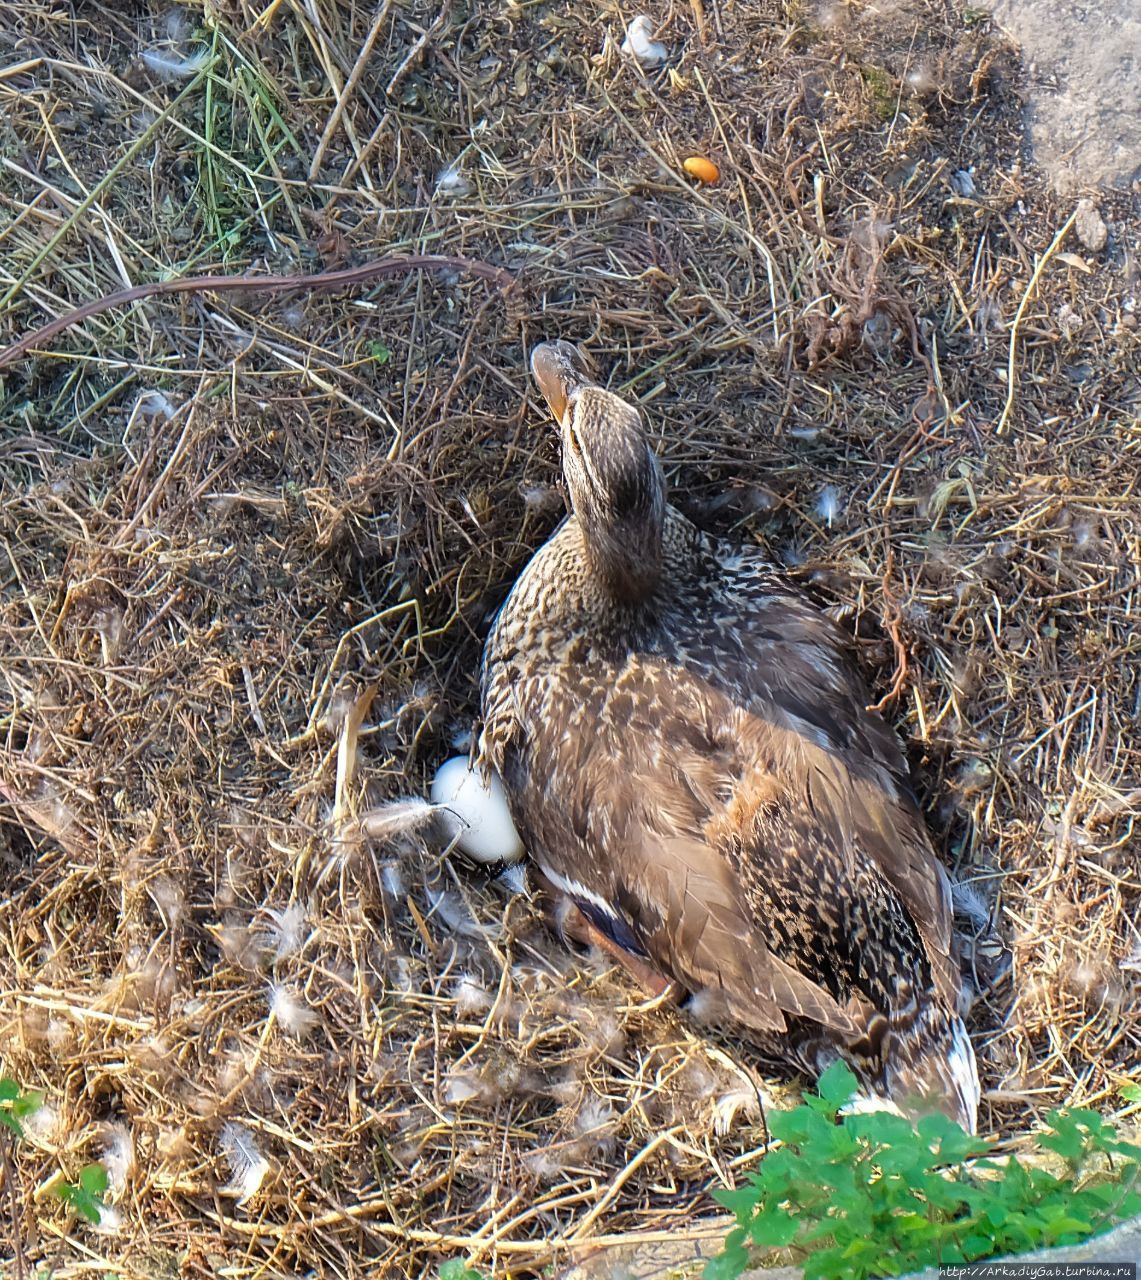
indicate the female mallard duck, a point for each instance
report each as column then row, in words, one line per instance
column 688, row 756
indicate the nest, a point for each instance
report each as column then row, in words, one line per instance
column 252, row 543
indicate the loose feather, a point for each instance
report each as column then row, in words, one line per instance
column 173, row 66
column 248, row 1167
column 118, row 1156
column 288, row 931
column 293, row 1015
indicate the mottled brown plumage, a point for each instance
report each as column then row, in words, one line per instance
column 687, row 754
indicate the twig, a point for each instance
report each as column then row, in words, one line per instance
column 891, row 610
column 265, row 284
column 1034, row 278
column 21, row 1264
column 611, row 1193
column 349, row 89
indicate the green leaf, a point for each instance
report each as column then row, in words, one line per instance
column 378, row 352
column 16, row 1105
column 773, row 1229
column 85, row 1196
column 27, row 1104
column 740, row 1201
column 832, row 1229
column 995, row 1214
column 975, row 1247
column 454, row 1269
column 1131, row 1092
column 950, row 1141
column 904, row 1161
column 1066, row 1225
column 93, row 1179
column 837, row 1085
column 945, row 1195
column 882, row 1129
column 727, row 1265
column 1067, row 1140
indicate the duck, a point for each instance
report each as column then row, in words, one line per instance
column 687, row 752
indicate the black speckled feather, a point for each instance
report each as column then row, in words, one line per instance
column 686, row 752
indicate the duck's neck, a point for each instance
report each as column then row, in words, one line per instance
column 625, row 555
column 618, row 492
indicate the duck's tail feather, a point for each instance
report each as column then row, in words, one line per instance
column 933, row 1066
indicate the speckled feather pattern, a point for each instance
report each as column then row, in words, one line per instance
column 699, row 766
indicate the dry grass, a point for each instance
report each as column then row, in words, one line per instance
column 233, row 525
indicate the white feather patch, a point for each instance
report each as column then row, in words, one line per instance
column 248, row 1166
column 965, row 1073
column 293, row 1015
column 396, row 818
column 118, row 1156
column 573, row 889
column 172, row 66
column 288, row 932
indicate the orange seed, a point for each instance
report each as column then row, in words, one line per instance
column 701, row 169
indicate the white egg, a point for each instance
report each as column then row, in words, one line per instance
column 474, row 813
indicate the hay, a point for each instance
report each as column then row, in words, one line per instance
column 239, row 530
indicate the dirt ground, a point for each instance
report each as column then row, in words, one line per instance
column 250, row 543
column 1083, row 69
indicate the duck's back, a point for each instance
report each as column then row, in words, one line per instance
column 700, row 774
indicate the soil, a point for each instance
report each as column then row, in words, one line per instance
column 1084, row 66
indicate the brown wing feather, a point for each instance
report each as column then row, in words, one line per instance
column 650, row 794
column 687, row 906
column 858, row 779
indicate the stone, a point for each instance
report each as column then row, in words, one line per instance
column 1092, row 231
column 684, row 1258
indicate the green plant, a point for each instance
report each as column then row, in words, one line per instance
column 454, row 1269
column 877, row 1195
column 16, row 1104
column 84, row 1196
column 883, row 90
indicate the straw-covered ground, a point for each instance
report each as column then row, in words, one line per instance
column 251, row 542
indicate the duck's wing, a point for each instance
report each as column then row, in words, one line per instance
column 618, row 791
column 808, row 709
column 691, row 912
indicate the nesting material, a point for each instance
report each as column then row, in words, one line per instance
column 248, row 1166
column 223, row 516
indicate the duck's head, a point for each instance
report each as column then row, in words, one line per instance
column 613, row 477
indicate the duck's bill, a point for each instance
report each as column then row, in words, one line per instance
column 559, row 370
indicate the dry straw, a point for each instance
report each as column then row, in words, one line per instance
column 250, row 543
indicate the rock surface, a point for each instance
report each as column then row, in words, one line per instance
column 683, row 1259
column 1084, row 60
column 1090, row 226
